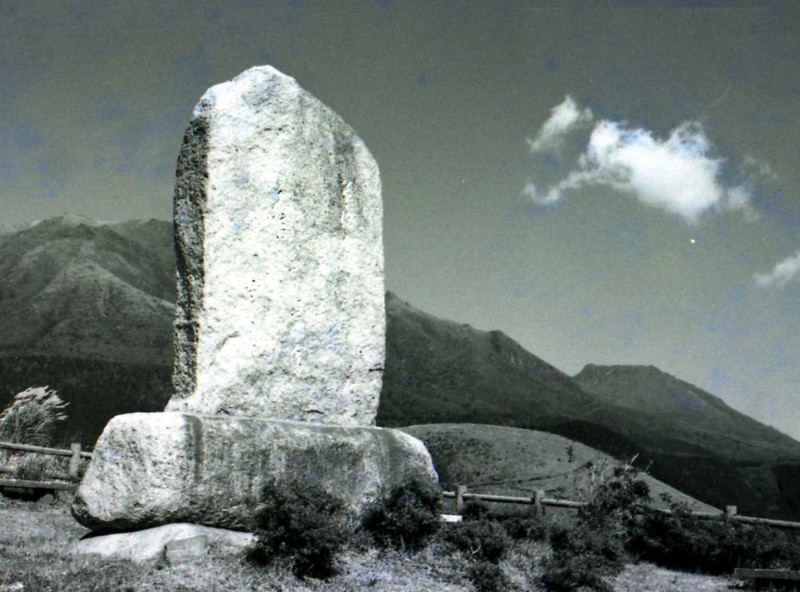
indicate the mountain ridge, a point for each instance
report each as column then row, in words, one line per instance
column 699, row 416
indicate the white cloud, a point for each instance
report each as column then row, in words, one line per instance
column 563, row 119
column 678, row 174
column 783, row 273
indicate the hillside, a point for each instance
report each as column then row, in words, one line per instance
column 513, row 461
column 86, row 308
column 70, row 287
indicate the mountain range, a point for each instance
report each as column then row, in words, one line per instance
column 87, row 308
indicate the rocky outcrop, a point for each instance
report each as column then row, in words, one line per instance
column 155, row 468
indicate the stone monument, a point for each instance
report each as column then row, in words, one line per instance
column 280, row 325
column 278, row 228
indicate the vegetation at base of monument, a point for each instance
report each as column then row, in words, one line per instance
column 481, row 540
column 302, row 524
column 37, row 541
column 406, row 519
column 484, row 542
column 32, row 417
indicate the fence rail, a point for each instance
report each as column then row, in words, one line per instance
column 74, row 453
column 539, row 502
column 45, row 450
column 766, row 574
column 25, row 484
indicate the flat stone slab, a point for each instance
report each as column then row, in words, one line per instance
column 182, row 541
column 186, row 550
column 150, row 469
column 278, row 229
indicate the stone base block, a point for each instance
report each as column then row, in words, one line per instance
column 175, row 542
column 151, row 469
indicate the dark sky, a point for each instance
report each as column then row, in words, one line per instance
column 606, row 182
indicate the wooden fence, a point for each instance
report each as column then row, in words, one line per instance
column 66, row 482
column 540, row 502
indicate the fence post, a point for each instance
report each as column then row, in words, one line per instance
column 75, row 460
column 538, row 508
column 730, row 512
column 460, row 491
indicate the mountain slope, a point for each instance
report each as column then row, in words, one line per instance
column 74, row 288
column 440, row 371
column 689, row 413
column 87, row 309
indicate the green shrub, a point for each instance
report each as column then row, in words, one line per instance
column 615, row 500
column 711, row 546
column 405, row 519
column 31, row 417
column 594, row 547
column 487, row 577
column 525, row 527
column 482, row 540
column 573, row 573
column 300, row 523
column 607, row 553
column 475, row 510
column 36, row 467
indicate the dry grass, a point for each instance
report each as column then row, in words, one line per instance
column 35, row 556
column 647, row 577
column 32, row 416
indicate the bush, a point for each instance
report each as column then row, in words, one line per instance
column 594, row 548
column 32, row 416
column 36, row 467
column 606, row 553
column 711, row 546
column 518, row 526
column 525, row 527
column 576, row 572
column 615, row 501
column 482, row 540
column 487, row 577
column 300, row 523
column 405, row 519
column 474, row 510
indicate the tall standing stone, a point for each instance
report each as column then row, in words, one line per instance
column 278, row 224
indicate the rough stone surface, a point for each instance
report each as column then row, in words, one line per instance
column 150, row 544
column 156, row 468
column 186, row 550
column 278, row 220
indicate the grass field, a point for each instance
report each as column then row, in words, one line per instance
column 36, row 542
